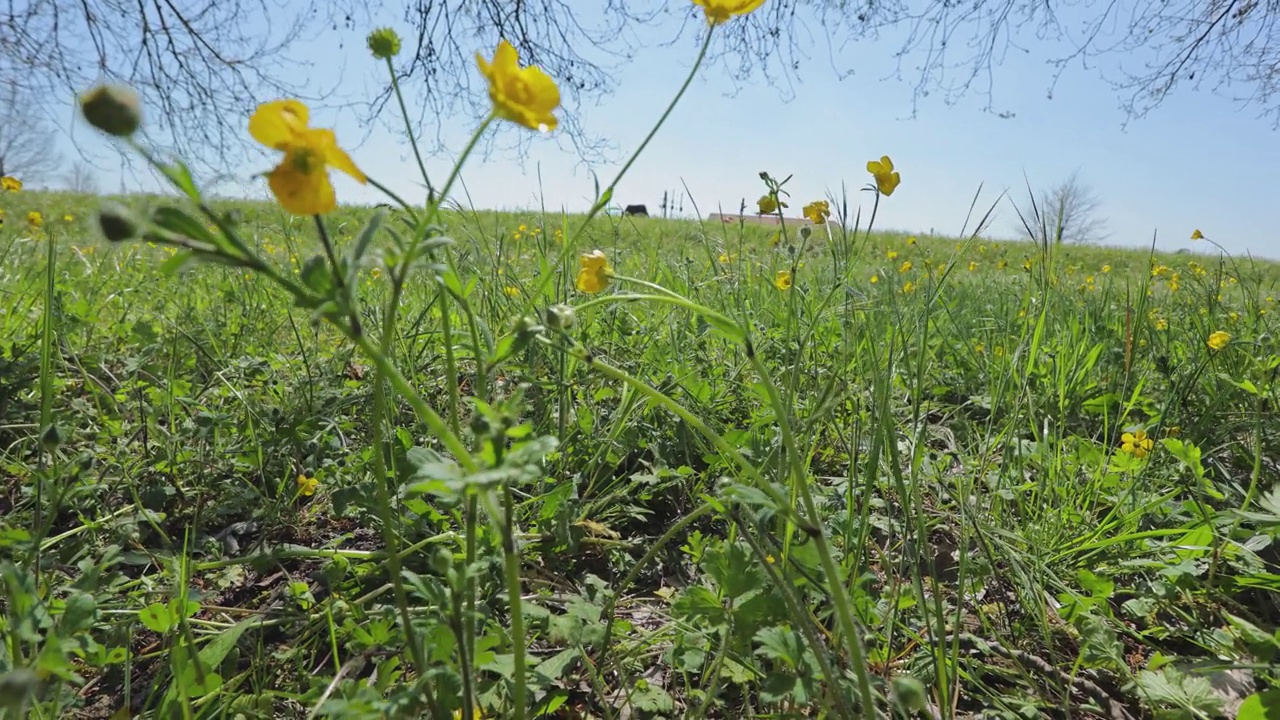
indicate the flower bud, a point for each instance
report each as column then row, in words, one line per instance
column 113, row 109
column 116, row 222
column 559, row 317
column 384, row 43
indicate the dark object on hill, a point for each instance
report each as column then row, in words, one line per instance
column 636, row 210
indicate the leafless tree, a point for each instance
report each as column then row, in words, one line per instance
column 1069, row 212
column 202, row 64
column 26, row 138
column 81, row 178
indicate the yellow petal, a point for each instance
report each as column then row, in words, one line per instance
column 302, row 193
column 277, row 123
column 334, row 155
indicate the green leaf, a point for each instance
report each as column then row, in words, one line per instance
column 1188, row 694
column 80, row 613
column 180, row 222
column 1260, row 706
column 180, row 176
column 698, row 606
column 781, row 643
column 157, row 617
column 1099, row 587
column 652, row 699
column 361, row 245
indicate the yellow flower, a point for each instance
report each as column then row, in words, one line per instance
column 1197, row 235
column 875, row 279
column 307, row 485
column 770, row 559
column 475, row 714
column 35, row 219
column 68, row 218
column 1026, row 264
column 1001, row 265
column 892, row 254
column 1233, row 316
column 719, row 11
column 769, row 204
column 782, row 280
column 1136, row 443
column 999, row 351
column 511, row 291
column 301, row 181
column 817, row 211
column 1162, row 324
column 979, row 348
column 777, row 238
column 725, row 258
column 1219, row 339
column 905, row 267
column 525, row 96
column 908, row 288
column 911, row 240
column 972, row 266
column 10, row 184
column 886, row 179
column 594, row 272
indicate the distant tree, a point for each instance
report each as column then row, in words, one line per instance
column 81, row 178
column 26, row 138
column 202, row 64
column 1069, row 212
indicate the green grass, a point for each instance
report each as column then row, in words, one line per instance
column 679, row 477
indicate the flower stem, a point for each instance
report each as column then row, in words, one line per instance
column 408, row 131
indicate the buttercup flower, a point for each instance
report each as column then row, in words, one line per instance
column 886, row 179
column 908, row 287
column 719, row 11
column 307, row 485
column 10, row 184
column 817, row 211
column 875, row 279
column 892, row 254
column 905, row 267
column 1106, row 268
column 782, row 280
column 1219, row 339
column 1136, row 443
column 769, row 204
column 35, row 219
column 301, row 181
column 1197, row 235
column 593, row 272
column 525, row 96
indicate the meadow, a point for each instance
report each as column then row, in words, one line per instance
column 959, row 410
column 303, row 459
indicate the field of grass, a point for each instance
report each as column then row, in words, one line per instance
column 1019, row 473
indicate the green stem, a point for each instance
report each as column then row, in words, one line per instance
column 512, row 558
column 835, row 579
column 408, row 131
column 434, row 210
column 429, row 416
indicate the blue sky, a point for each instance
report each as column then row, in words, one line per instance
column 1197, row 161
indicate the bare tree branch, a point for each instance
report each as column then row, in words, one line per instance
column 202, row 65
column 26, row 138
